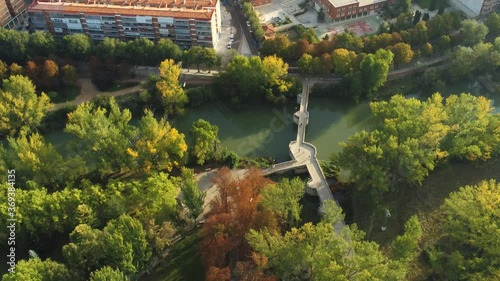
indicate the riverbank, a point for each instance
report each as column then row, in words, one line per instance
column 424, row 201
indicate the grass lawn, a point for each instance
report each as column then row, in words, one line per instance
column 183, row 262
column 423, row 201
column 121, row 85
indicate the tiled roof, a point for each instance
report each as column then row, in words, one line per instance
column 123, row 10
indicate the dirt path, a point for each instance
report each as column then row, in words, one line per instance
column 89, row 91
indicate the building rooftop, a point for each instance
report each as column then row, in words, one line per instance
column 188, row 9
column 341, row 3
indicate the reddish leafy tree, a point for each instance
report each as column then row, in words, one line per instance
column 218, row 274
column 32, row 71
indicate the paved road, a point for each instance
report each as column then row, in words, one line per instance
column 240, row 23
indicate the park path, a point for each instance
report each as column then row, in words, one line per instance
column 88, row 91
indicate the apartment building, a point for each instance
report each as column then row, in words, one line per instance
column 475, row 8
column 186, row 22
column 340, row 10
column 11, row 12
column 5, row 16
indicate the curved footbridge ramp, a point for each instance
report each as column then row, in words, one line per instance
column 303, row 155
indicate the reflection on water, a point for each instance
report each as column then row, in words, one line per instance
column 265, row 130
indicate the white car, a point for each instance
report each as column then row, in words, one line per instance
column 229, row 45
column 231, row 36
column 248, row 23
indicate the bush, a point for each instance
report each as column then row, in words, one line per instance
column 199, row 95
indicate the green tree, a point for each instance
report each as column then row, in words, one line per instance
column 30, row 157
column 473, row 32
column 4, row 70
column 402, row 53
column 405, row 5
column 197, row 55
column 158, row 146
column 192, row 197
column 349, row 41
column 36, row 269
column 13, row 45
column 108, row 274
column 77, row 46
column 283, row 198
column 16, row 69
column 41, row 44
column 167, row 49
column 404, row 246
column 205, row 140
column 69, row 74
column 140, row 51
column 279, row 45
column 344, row 61
column 444, row 43
column 21, row 110
column 104, row 136
column 173, row 96
column 209, row 58
column 305, row 63
column 374, row 69
column 473, row 133
column 319, row 252
column 121, row 245
column 469, row 249
column 493, row 23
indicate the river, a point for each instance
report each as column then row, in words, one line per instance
column 266, row 130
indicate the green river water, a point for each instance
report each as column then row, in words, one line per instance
column 267, row 130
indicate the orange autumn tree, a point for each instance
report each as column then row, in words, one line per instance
column 233, row 213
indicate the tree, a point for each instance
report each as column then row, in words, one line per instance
column 417, row 17
column 403, row 53
column 13, row 45
column 41, row 44
column 399, row 149
column 77, row 46
column 173, row 96
column 493, row 23
column 444, row 43
column 205, row 140
column 167, row 49
column 209, row 57
column 158, row 146
column 197, row 55
column 69, row 74
column 140, row 51
column 319, row 252
column 473, row 32
column 469, row 249
column 21, row 110
column 463, row 64
column 107, row 274
column 344, row 61
column 104, row 136
column 279, row 45
column 321, row 15
column 274, row 70
column 305, row 64
column 427, row 49
column 405, row 6
column 30, row 155
column 50, row 71
column 374, row 69
column 121, row 245
column 4, row 70
column 36, row 269
column 426, row 17
column 421, row 30
column 192, row 197
column 16, row 69
column 473, row 135
column 282, row 199
column 349, row 41
column 404, row 246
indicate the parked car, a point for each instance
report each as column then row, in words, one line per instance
column 231, row 36
column 248, row 23
column 229, row 45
